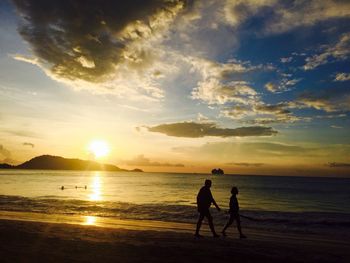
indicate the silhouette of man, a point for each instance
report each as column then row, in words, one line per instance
column 234, row 213
column 204, row 201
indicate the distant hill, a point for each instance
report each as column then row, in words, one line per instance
column 6, row 166
column 49, row 162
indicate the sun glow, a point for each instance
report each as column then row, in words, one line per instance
column 96, row 186
column 99, row 148
column 89, row 220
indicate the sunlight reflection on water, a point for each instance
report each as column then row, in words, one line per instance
column 96, row 186
column 89, row 220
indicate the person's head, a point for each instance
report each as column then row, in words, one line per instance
column 207, row 183
column 234, row 190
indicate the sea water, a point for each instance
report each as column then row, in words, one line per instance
column 265, row 200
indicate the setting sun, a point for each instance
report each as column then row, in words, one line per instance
column 99, row 148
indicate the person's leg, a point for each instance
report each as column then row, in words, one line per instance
column 238, row 219
column 199, row 223
column 211, row 225
column 229, row 222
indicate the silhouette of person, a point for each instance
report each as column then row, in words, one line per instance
column 204, row 201
column 234, row 213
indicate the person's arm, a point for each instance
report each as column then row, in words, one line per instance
column 214, row 203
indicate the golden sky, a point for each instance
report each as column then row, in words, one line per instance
column 253, row 87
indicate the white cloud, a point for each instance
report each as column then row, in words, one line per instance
column 286, row 59
column 342, row 77
column 237, row 111
column 338, row 51
column 27, row 59
column 284, row 15
column 272, row 87
column 213, row 91
column 215, row 85
column 283, row 85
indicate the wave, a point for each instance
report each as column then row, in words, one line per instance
column 305, row 221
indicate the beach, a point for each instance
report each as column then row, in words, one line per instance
column 34, row 237
column 150, row 217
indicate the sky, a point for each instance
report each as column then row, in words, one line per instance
column 252, row 87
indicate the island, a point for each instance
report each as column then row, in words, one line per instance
column 217, row 171
column 50, row 162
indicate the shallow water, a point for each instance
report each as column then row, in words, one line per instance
column 269, row 200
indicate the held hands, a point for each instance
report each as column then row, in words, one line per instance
column 216, row 205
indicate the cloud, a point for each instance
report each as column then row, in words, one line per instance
column 282, row 86
column 264, row 113
column 331, row 116
column 198, row 130
column 272, row 87
column 215, row 85
column 112, row 47
column 342, row 77
column 284, row 15
column 234, row 98
column 141, row 160
column 202, row 118
column 338, row 51
column 286, row 59
column 21, row 133
column 28, row 144
column 27, row 59
column 213, row 91
column 4, row 152
column 275, row 120
column 246, row 164
column 86, row 40
column 255, row 150
column 7, row 156
column 277, row 113
column 329, row 100
column 277, row 109
column 338, row 165
column 336, row 127
column 237, row 112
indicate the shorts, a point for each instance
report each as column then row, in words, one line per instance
column 234, row 215
column 205, row 213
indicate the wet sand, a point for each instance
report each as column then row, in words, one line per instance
column 31, row 237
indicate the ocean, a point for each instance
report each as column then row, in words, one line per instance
column 291, row 203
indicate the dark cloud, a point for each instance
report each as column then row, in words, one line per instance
column 246, row 164
column 340, row 165
column 28, row 144
column 264, row 113
column 80, row 39
column 277, row 113
column 197, row 130
column 329, row 100
column 141, row 160
column 278, row 109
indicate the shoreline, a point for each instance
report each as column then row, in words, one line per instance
column 111, row 240
column 336, row 176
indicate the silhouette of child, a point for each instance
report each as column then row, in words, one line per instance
column 234, row 213
column 204, row 201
